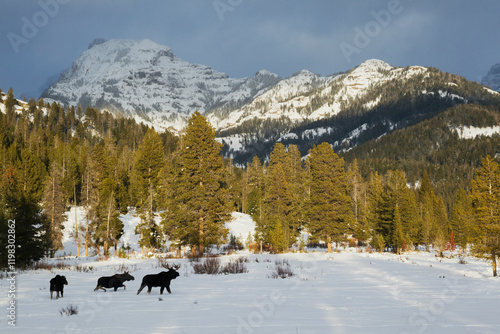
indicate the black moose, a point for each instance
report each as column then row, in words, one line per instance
column 162, row 279
column 57, row 285
column 115, row 281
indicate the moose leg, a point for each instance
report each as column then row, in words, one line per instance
column 140, row 289
column 99, row 287
column 161, row 290
column 62, row 293
column 168, row 288
column 149, row 288
column 51, row 292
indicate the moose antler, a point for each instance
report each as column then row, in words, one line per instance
column 175, row 266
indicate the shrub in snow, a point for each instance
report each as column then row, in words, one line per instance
column 235, row 267
column 210, row 266
column 84, row 269
column 69, row 310
column 282, row 270
column 49, row 266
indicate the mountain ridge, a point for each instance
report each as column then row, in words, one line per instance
column 146, row 81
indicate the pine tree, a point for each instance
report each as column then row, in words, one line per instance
column 277, row 203
column 148, row 162
column 31, row 175
column 296, row 179
column 398, row 234
column 358, row 193
column 198, row 203
column 111, row 228
column 402, row 198
column 53, row 202
column 461, row 219
column 31, row 234
column 373, row 200
column 329, row 207
column 89, row 194
column 486, row 203
column 255, row 207
column 10, row 102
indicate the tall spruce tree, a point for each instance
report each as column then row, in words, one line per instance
column 198, row 203
column 358, row 193
column 53, row 202
column 486, row 204
column 278, row 202
column 111, row 228
column 255, row 176
column 402, row 198
column 148, row 162
column 89, row 194
column 23, row 214
column 462, row 220
column 329, row 208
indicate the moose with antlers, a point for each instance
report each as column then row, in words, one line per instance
column 162, row 279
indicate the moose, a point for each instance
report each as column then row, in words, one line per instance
column 162, row 279
column 115, row 281
column 57, row 285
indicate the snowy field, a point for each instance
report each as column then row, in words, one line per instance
column 345, row 292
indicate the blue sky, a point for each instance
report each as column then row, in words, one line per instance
column 40, row 38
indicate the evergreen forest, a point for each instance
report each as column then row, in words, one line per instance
column 421, row 186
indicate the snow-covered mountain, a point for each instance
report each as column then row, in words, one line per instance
column 145, row 80
column 492, row 79
column 306, row 96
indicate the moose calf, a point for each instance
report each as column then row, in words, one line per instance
column 57, row 284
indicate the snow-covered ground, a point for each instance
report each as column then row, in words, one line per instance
column 471, row 132
column 347, row 292
column 330, row 293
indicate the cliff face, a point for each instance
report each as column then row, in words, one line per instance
column 492, row 79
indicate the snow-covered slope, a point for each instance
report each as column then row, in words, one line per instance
column 306, row 96
column 147, row 81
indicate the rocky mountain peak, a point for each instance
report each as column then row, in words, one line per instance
column 145, row 80
column 492, row 79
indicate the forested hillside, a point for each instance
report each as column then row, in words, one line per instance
column 406, row 97
column 435, row 145
column 422, row 185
